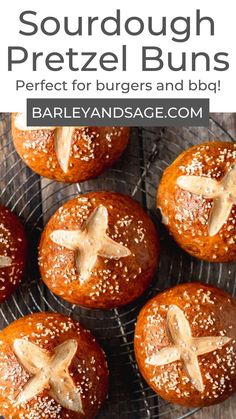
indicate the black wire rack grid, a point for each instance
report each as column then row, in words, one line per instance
column 137, row 174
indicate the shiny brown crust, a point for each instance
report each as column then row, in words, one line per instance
column 88, row 368
column 93, row 150
column 113, row 282
column 13, row 246
column 186, row 215
column 210, row 312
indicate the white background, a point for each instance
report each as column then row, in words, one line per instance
column 224, row 40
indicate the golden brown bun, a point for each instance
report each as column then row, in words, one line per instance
column 12, row 252
column 109, row 281
column 93, row 150
column 197, row 200
column 87, row 369
column 180, row 317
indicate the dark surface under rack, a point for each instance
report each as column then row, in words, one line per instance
column 137, row 174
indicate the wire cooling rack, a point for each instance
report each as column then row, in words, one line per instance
column 137, row 174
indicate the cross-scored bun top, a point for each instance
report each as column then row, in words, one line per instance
column 68, row 154
column 99, row 250
column 185, row 344
column 50, row 367
column 197, row 199
column 12, row 252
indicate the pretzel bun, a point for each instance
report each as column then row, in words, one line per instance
column 99, row 250
column 12, row 252
column 68, row 154
column 185, row 344
column 50, row 367
column 197, row 198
